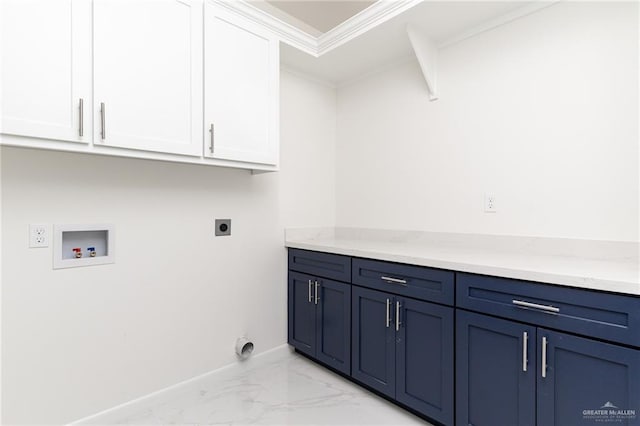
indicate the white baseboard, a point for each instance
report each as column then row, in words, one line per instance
column 135, row 405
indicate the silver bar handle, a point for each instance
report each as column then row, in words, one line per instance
column 103, row 125
column 393, row 280
column 211, row 128
column 525, row 343
column 317, row 298
column 81, row 114
column 388, row 314
column 309, row 291
column 544, row 357
column 546, row 308
column 398, row 315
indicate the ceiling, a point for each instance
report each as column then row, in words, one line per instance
column 321, row 15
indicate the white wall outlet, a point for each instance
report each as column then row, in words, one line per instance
column 490, row 203
column 38, row 235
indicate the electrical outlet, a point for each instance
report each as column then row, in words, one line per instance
column 38, row 236
column 490, row 203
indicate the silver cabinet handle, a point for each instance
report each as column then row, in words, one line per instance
column 392, row 280
column 309, row 291
column 546, row 308
column 81, row 124
column 388, row 313
column 103, row 124
column 544, row 357
column 317, row 298
column 398, row 315
column 211, row 128
column 525, row 343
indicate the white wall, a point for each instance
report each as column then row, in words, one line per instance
column 308, row 164
column 77, row 341
column 542, row 112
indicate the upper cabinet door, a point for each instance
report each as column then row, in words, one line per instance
column 148, row 75
column 46, row 69
column 241, row 83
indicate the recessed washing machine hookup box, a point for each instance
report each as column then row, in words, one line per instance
column 83, row 245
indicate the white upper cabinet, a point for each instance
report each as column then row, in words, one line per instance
column 46, row 69
column 241, row 88
column 192, row 81
column 148, row 75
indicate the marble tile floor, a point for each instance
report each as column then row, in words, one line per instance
column 282, row 389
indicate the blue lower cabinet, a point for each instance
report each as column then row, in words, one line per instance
column 319, row 319
column 373, row 346
column 583, row 381
column 302, row 313
column 333, row 320
column 518, row 370
column 424, row 358
column 495, row 371
column 403, row 348
column 511, row 373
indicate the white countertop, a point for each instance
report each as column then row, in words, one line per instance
column 597, row 265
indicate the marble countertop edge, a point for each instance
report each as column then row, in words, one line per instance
column 612, row 276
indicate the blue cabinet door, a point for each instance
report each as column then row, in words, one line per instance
column 424, row 358
column 302, row 313
column 333, row 325
column 495, row 372
column 373, row 344
column 586, row 381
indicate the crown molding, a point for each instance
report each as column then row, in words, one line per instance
column 285, row 31
column 370, row 17
column 276, row 12
column 376, row 14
